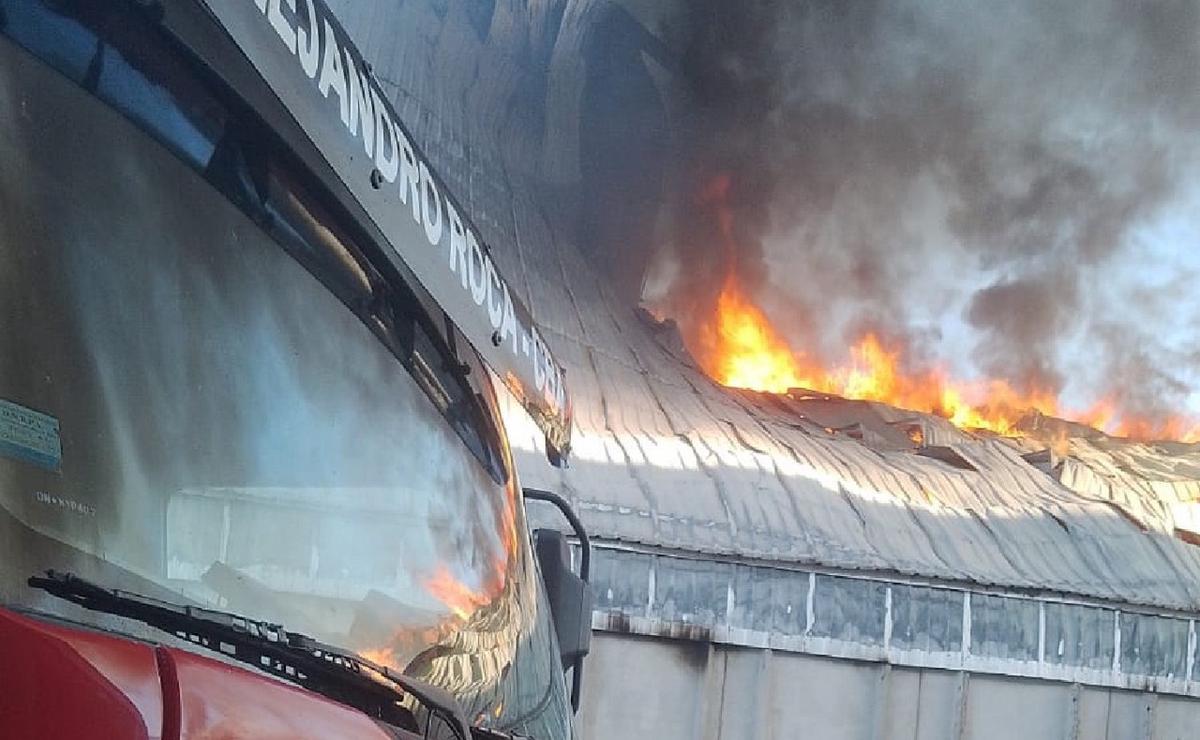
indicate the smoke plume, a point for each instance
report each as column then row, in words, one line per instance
column 984, row 183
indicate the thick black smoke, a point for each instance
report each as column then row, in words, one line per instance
column 907, row 164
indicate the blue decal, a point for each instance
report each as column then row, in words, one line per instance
column 30, row 436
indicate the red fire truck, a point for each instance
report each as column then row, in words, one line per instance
column 253, row 477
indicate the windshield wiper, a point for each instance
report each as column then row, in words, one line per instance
column 337, row 674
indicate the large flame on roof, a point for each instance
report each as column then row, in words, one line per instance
column 738, row 346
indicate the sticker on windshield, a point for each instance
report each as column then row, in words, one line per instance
column 30, row 436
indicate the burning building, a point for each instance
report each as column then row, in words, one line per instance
column 874, row 538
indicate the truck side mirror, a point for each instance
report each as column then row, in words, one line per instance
column 570, row 595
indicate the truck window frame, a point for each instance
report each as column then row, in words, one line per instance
column 136, row 69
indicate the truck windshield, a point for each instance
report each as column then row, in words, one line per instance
column 209, row 390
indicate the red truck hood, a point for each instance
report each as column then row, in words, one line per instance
column 60, row 682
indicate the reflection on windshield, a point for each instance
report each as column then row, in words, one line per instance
column 232, row 434
column 214, row 396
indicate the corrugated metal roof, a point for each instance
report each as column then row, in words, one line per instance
column 664, row 457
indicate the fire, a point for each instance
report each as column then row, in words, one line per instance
column 380, row 656
column 744, row 349
column 739, row 347
column 458, row 597
column 463, row 600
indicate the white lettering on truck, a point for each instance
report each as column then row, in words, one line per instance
column 308, row 42
column 365, row 115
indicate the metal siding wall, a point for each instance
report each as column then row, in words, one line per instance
column 828, row 699
column 899, row 706
column 643, row 688
column 1012, row 708
column 660, row 689
column 1175, row 719
column 744, row 710
column 1093, row 715
column 1127, row 717
column 938, row 709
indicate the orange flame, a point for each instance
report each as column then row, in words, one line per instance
column 458, row 597
column 743, row 348
column 739, row 347
column 463, row 600
column 379, row 656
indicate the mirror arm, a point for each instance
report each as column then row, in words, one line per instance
column 585, row 570
column 585, row 544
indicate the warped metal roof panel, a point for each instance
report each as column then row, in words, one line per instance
column 737, row 474
column 665, row 457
